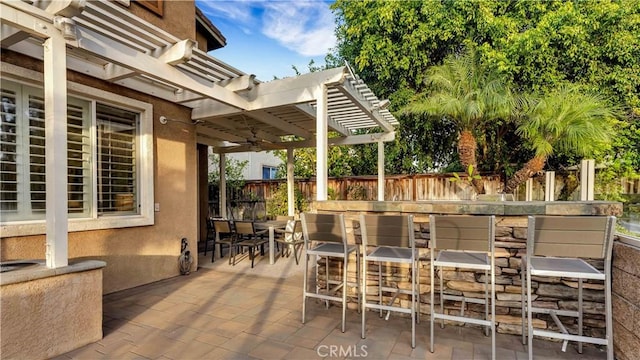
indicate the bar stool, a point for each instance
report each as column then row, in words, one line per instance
column 555, row 248
column 390, row 239
column 464, row 242
column 325, row 236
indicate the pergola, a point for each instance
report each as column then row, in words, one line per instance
column 296, row 113
column 232, row 111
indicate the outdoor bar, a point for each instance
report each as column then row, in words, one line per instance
column 510, row 245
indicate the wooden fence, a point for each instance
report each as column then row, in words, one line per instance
column 397, row 187
column 409, row 188
column 253, row 196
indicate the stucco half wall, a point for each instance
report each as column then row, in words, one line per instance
column 48, row 312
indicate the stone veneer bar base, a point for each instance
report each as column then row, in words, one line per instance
column 47, row 312
column 510, row 242
column 626, row 298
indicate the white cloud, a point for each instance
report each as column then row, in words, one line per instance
column 306, row 27
column 237, row 10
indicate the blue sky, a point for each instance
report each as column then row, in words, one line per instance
column 267, row 37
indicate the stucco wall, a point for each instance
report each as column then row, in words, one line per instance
column 178, row 16
column 138, row 255
column 51, row 315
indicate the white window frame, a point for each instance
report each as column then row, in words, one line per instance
column 145, row 179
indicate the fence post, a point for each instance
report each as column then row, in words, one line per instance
column 550, row 186
column 587, row 176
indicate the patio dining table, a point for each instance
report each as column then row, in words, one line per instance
column 271, row 225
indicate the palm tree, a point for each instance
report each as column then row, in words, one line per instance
column 567, row 121
column 470, row 95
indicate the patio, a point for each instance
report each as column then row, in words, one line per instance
column 225, row 312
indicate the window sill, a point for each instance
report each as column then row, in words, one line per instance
column 28, row 228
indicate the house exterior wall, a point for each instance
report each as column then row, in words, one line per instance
column 135, row 255
column 178, row 17
column 253, row 171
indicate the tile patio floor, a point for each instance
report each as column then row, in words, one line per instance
column 225, row 312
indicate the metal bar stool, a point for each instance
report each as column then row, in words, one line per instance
column 390, row 239
column 464, row 242
column 555, row 248
column 325, row 236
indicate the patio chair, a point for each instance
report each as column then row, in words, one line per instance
column 248, row 237
column 325, row 236
column 556, row 247
column 290, row 238
column 389, row 239
column 210, row 237
column 464, row 242
column 225, row 235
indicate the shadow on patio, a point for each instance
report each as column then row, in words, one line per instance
column 235, row 312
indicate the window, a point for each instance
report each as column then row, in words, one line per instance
column 105, row 165
column 157, row 6
column 22, row 164
column 116, row 160
column 269, row 172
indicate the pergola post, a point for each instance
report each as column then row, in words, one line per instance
column 550, row 186
column 587, row 176
column 529, row 190
column 55, row 117
column 223, row 186
column 322, row 143
column 290, row 184
column 380, row 171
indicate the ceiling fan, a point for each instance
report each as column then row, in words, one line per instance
column 254, row 142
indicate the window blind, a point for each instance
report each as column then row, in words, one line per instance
column 116, row 133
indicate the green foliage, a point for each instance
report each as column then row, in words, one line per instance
column 339, row 161
column 568, row 121
column 538, row 45
column 277, row 204
column 466, row 178
column 234, row 171
column 332, row 194
column 356, row 192
column 608, row 185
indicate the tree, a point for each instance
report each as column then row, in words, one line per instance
column 469, row 95
column 234, row 171
column 563, row 121
column 539, row 45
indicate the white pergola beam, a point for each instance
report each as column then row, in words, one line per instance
column 11, row 36
column 242, row 83
column 296, row 90
column 153, row 68
column 113, row 72
column 334, row 125
column 348, row 90
column 276, row 122
column 209, row 142
column 217, row 134
column 66, row 8
column 178, row 53
column 350, row 140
